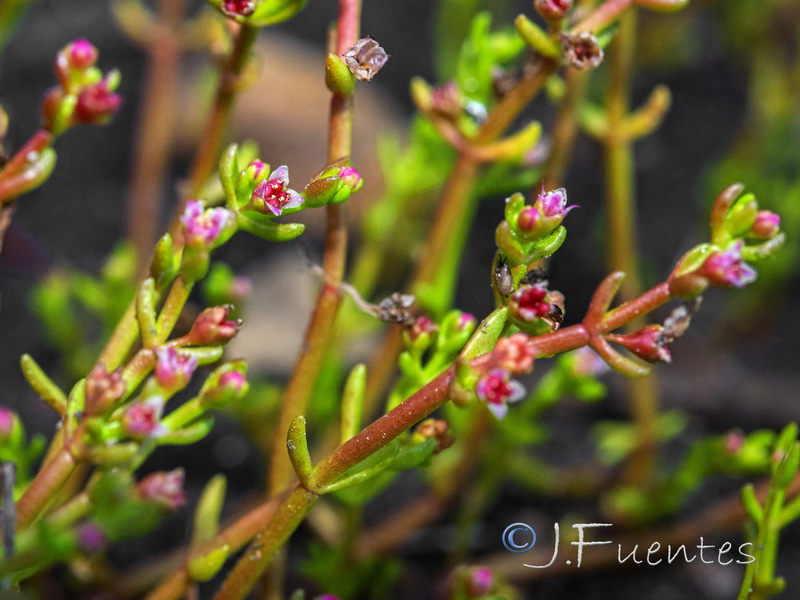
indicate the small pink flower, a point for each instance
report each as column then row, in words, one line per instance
column 726, row 268
column 529, row 303
column 766, row 225
column 174, row 368
column 515, row 354
column 213, row 327
column 273, row 194
column 204, row 227
column 96, row 103
column 479, row 582
column 143, row 419
column 553, row 204
column 164, row 488
column 497, row 389
column 80, row 54
column 648, row 343
column 238, row 8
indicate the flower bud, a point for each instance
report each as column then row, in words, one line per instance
column 80, row 54
column 173, row 368
column 230, row 386
column 766, row 225
column 212, row 327
column 238, row 8
column 529, row 303
column 97, row 103
column 648, row 343
column 163, row 488
column 7, row 422
column 552, row 10
column 478, row 582
column 143, row 419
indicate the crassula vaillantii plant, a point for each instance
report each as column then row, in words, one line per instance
column 444, row 393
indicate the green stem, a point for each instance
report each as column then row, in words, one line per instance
column 621, row 233
column 208, row 149
column 319, row 334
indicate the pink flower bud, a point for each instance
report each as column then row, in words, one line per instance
column 515, row 354
column 725, row 268
column 97, row 103
column 273, row 194
column 649, row 343
column 350, row 177
column 164, row 488
column 256, row 170
column 7, row 419
column 479, row 582
column 766, row 225
column 529, row 303
column 204, row 227
column 552, row 10
column 466, row 321
column 143, row 419
column 497, row 389
column 734, row 441
column 174, row 368
column 238, row 8
column 528, row 219
column 212, row 327
column 81, row 54
column 233, row 380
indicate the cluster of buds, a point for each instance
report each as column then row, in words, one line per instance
column 84, row 94
column 740, row 232
column 531, row 232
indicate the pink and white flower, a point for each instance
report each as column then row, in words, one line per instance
column 273, row 194
column 498, row 390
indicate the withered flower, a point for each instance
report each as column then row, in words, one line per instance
column 582, row 50
column 365, row 58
